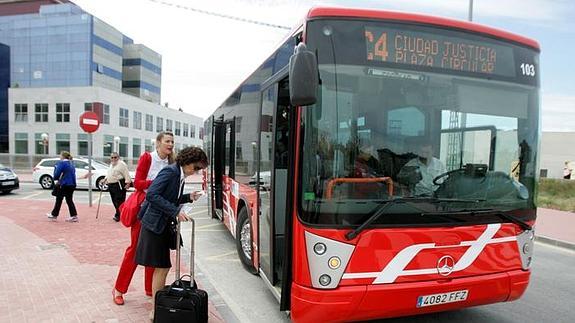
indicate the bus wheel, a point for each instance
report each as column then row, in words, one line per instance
column 244, row 241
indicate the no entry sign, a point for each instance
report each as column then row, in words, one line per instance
column 89, row 121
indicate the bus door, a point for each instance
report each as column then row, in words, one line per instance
column 223, row 143
column 273, row 184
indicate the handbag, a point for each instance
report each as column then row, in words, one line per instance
column 131, row 207
column 56, row 187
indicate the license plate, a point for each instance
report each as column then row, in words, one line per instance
column 443, row 298
column 8, row 183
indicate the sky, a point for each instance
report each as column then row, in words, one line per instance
column 205, row 57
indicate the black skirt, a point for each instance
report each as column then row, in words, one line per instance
column 154, row 249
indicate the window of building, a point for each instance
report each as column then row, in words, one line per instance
column 149, row 122
column 88, row 107
column 41, row 147
column 137, row 120
column 62, row 112
column 177, row 130
column 123, row 149
column 106, row 114
column 185, row 133
column 62, row 142
column 238, row 124
column 193, row 131
column 136, row 147
column 21, row 143
column 124, row 117
column 149, row 145
column 159, row 124
column 20, row 112
column 169, row 125
column 108, row 145
column 83, row 144
column 41, row 110
column 201, row 133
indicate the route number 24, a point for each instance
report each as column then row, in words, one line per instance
column 528, row 69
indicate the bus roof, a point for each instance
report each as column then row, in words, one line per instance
column 317, row 12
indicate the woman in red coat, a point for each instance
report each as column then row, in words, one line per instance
column 149, row 165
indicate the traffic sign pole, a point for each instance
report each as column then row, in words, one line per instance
column 89, row 122
column 90, row 169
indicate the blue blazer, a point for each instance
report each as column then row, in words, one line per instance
column 66, row 169
column 162, row 204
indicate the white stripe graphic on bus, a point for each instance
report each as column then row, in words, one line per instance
column 396, row 267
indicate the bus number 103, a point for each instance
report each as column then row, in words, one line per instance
column 528, row 69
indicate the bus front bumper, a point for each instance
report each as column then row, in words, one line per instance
column 367, row 302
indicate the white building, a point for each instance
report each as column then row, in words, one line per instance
column 133, row 122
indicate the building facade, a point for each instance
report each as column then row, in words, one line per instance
column 63, row 61
column 129, row 125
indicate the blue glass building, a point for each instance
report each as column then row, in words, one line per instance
column 57, row 44
column 4, row 84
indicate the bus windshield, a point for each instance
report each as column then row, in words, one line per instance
column 445, row 120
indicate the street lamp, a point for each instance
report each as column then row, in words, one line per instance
column 117, row 144
column 45, row 142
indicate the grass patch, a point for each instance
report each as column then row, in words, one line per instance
column 558, row 194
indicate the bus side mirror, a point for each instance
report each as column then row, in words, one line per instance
column 303, row 77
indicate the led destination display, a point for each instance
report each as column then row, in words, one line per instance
column 438, row 51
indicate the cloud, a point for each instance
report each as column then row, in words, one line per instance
column 558, row 112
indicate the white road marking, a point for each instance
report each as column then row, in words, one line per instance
column 31, row 195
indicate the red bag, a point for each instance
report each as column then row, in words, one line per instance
column 130, row 208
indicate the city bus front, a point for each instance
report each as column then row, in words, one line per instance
column 417, row 170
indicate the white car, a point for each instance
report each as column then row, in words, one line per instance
column 44, row 171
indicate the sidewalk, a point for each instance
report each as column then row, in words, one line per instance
column 556, row 227
column 65, row 272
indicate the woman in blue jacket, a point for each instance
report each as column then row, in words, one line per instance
column 161, row 207
column 65, row 175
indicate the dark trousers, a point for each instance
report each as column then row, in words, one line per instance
column 66, row 192
column 118, row 195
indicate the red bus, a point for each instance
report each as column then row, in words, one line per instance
column 382, row 164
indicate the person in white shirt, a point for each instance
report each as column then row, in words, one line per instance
column 118, row 180
column 428, row 166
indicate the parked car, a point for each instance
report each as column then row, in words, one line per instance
column 44, row 171
column 8, row 180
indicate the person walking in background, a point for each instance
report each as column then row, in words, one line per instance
column 149, row 165
column 567, row 171
column 65, row 177
column 118, row 180
column 161, row 208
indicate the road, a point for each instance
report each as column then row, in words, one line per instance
column 243, row 297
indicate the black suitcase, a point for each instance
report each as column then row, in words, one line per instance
column 182, row 301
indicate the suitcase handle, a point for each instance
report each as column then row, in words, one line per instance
column 192, row 252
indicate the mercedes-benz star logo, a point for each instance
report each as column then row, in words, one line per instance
column 445, row 265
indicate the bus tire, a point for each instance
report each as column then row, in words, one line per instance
column 244, row 241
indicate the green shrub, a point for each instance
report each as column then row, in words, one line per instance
column 557, row 194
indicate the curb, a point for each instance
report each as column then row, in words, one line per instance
column 555, row 242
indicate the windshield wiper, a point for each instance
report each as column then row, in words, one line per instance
column 524, row 225
column 352, row 234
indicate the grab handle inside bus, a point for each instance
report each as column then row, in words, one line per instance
column 303, row 77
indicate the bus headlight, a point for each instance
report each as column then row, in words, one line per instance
column 525, row 245
column 319, row 248
column 324, row 280
column 334, row 263
column 327, row 260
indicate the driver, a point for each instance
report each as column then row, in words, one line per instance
column 428, row 166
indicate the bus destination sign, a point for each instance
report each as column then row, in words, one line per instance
column 438, row 51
